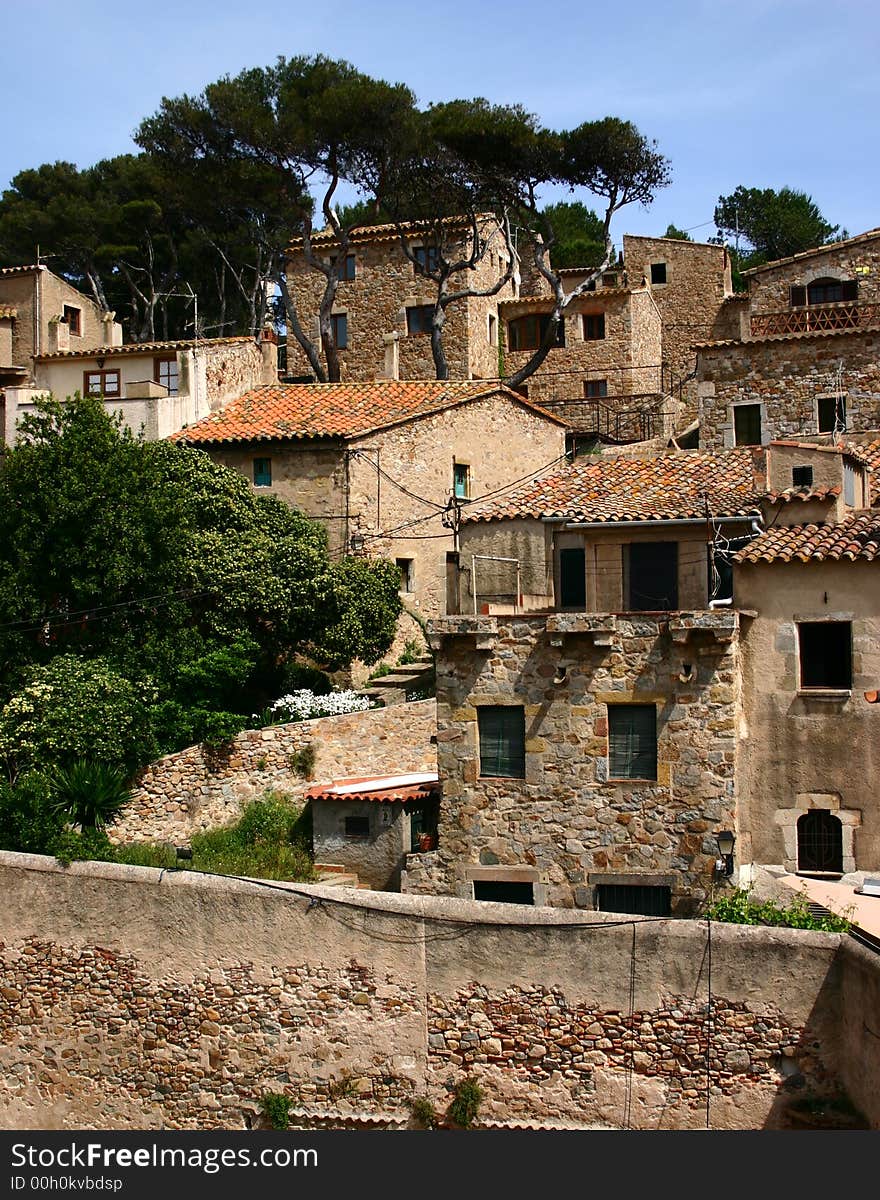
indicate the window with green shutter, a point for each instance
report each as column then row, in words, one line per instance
column 502, row 731
column 262, row 472
column 632, row 741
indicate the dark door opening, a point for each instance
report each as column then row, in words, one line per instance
column 504, row 891
column 653, row 576
column 820, row 842
column 572, row 578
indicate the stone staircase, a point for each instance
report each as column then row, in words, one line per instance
column 401, row 682
column 335, row 875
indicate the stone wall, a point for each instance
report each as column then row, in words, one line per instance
column 566, row 826
column 231, row 368
column 193, row 790
column 786, row 376
column 134, row 998
column 857, row 258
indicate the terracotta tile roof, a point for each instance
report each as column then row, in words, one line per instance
column 868, row 236
column 383, row 233
column 870, row 327
column 672, row 486
column 805, row 493
column 140, row 348
column 385, row 788
column 19, row 270
column 858, row 537
column 8, row 312
column 589, row 296
column 288, row 411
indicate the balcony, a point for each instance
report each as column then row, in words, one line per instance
column 815, row 318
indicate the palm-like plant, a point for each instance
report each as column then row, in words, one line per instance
column 89, row 794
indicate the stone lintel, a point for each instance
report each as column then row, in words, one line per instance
column 651, row 878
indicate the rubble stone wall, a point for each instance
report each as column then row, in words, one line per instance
column 193, row 790
column 138, row 998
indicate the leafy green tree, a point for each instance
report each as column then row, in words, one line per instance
column 678, row 235
column 29, row 821
column 578, row 234
column 774, row 224
column 151, row 561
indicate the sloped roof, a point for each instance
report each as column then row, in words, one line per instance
column 857, row 537
column 673, row 486
column 142, row 348
column 387, row 232
column 868, row 236
column 417, row 785
column 288, row 411
column 26, row 270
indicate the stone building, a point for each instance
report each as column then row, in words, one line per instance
column 384, row 465
column 622, row 367
column 805, row 358
column 648, row 682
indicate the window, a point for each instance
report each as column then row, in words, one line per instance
column 101, row 383
column 73, row 319
column 825, row 650
column 594, row 327
column 339, row 325
column 635, row 899
column 419, row 318
column 427, row 257
column 609, row 280
column 573, row 578
column 461, row 480
column 493, row 330
column 166, row 372
column 405, row 566
column 820, row 842
column 831, row 414
column 595, row 389
column 721, row 578
column 357, row 828
column 262, row 472
column 502, row 731
column 824, row 291
column 527, row 333
column 348, row 271
column 651, row 576
column 632, row 741
column 747, row 424
column 504, row 891
column 658, row 272
column 802, row 477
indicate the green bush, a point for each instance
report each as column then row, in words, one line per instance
column 267, row 842
column 90, row 845
column 29, row 821
column 466, row 1101
column 299, row 676
column 147, row 854
column 275, row 1107
column 738, row 908
column 89, row 794
column 424, row 1112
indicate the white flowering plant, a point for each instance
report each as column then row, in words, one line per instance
column 304, row 705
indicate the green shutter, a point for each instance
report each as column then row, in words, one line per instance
column 502, row 741
column 632, row 741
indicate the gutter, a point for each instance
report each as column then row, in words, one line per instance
column 653, row 523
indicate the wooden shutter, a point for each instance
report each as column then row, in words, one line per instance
column 632, row 741
column 797, row 296
column 502, row 740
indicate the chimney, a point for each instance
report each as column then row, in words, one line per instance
column 392, row 355
column 269, row 350
column 111, row 331
column 59, row 335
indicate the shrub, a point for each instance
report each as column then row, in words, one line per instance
column 305, row 705
column 424, row 1112
column 411, row 652
column 275, row 1107
column 300, row 677
column 147, row 854
column 739, row 908
column 267, row 842
column 91, row 845
column 89, row 794
column 302, row 761
column 29, row 822
column 466, row 1101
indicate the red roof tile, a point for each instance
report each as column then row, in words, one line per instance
column 805, row 493
column 858, row 537
column 419, row 785
column 141, row 348
column 289, row 411
column 673, row 486
column 8, row 312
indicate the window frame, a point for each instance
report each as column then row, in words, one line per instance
column 615, row 712
column 517, row 325
column 741, row 408
column 161, row 360
column 836, row 685
column 430, row 255
column 265, row 480
column 74, row 327
column 465, row 480
column 655, row 268
column 839, row 401
column 637, row 549
column 350, row 271
column 339, row 321
column 602, row 389
column 598, row 321
column 103, row 374
column 349, row 834
column 424, row 311
column 406, row 566
column 510, row 735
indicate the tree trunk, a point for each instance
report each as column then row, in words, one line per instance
column 293, row 326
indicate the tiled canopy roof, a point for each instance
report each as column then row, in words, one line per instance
column 8, row 312
column 858, row 537
column 19, row 270
column 388, row 232
column 416, row 786
column 141, row 348
column 287, row 411
column 673, row 486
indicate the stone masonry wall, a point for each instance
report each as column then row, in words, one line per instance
column 786, row 376
column 231, row 369
column 134, row 998
column 567, row 825
column 859, row 260
column 188, row 792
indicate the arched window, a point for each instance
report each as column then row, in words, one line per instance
column 820, row 842
column 826, row 290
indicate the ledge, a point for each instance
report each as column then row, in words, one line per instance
column 720, row 624
column 601, row 627
column 484, row 630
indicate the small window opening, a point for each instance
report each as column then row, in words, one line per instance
column 825, row 651
column 747, row 424
column 73, row 318
column 504, row 891
column 634, row 899
column 405, row 566
column 820, row 842
column 658, row 272
column 461, row 480
column 357, row 828
column 802, row 477
column 594, row 327
column 632, row 741
column 262, row 472
column 595, row 389
column 831, row 412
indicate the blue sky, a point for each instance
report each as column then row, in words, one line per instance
column 764, row 93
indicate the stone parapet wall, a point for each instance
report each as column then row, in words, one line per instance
column 195, row 790
column 786, row 377
column 134, row 998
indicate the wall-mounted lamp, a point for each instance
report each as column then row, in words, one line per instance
column 686, row 674
column 561, row 675
column 724, row 863
column 184, row 853
column 357, row 541
column 100, row 360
